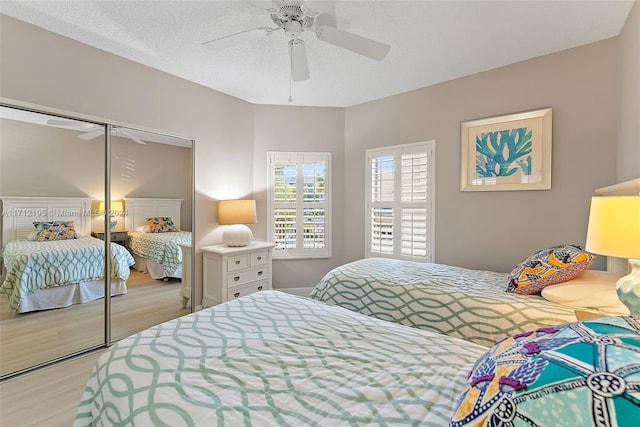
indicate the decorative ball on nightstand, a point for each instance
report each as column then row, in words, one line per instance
column 237, row 235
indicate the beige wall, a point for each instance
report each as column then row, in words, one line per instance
column 301, row 129
column 495, row 230
column 628, row 166
column 43, row 161
column 59, row 73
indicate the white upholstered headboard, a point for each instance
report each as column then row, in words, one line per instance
column 19, row 214
column 139, row 209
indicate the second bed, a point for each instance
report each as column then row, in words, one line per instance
column 468, row 304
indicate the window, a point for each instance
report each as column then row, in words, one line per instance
column 299, row 204
column 399, row 214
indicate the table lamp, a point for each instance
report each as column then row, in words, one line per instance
column 236, row 213
column 117, row 206
column 614, row 230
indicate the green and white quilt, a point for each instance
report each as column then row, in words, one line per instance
column 32, row 266
column 160, row 247
column 272, row 358
column 468, row 304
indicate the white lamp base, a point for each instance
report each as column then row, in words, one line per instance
column 628, row 288
column 113, row 222
column 237, row 235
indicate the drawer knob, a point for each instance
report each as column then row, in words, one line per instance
column 236, row 295
column 259, row 258
column 260, row 273
column 259, row 288
column 235, row 279
column 237, row 262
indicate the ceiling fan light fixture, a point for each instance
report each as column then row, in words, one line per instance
column 292, row 29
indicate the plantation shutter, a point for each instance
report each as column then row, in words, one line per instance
column 400, row 202
column 299, row 204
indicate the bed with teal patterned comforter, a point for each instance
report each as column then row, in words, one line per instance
column 468, row 304
column 162, row 248
column 32, row 266
column 272, row 358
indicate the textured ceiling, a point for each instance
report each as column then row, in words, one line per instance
column 431, row 41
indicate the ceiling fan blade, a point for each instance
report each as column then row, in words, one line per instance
column 363, row 46
column 73, row 124
column 299, row 63
column 91, row 134
column 237, row 38
column 132, row 137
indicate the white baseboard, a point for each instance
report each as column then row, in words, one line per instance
column 301, row 292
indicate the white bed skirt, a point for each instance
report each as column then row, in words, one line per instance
column 154, row 269
column 64, row 296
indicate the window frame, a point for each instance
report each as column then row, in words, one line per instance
column 300, row 204
column 429, row 204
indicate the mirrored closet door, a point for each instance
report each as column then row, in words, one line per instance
column 51, row 296
column 151, row 179
column 54, row 172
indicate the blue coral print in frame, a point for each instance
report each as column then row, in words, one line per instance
column 511, row 152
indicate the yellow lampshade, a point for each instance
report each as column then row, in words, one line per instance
column 614, row 226
column 116, row 207
column 237, row 212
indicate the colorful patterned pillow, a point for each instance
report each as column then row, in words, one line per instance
column 547, row 267
column 55, row 230
column 161, row 224
column 579, row 374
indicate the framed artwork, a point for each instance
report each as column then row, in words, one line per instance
column 511, row 152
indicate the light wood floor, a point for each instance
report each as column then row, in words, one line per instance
column 49, row 396
column 32, row 338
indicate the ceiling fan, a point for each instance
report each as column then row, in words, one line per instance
column 93, row 131
column 295, row 17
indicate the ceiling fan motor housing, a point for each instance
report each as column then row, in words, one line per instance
column 292, row 18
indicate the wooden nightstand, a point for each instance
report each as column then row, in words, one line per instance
column 119, row 237
column 232, row 272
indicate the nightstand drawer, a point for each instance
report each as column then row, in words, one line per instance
column 247, row 289
column 119, row 236
column 241, row 277
column 259, row 258
column 237, row 262
column 116, row 236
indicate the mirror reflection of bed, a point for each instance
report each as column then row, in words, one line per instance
column 154, row 235
column 56, row 164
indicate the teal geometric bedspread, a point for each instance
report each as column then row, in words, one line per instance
column 160, row 247
column 274, row 359
column 468, row 304
column 32, row 265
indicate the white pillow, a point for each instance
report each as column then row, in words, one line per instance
column 144, row 228
column 591, row 289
